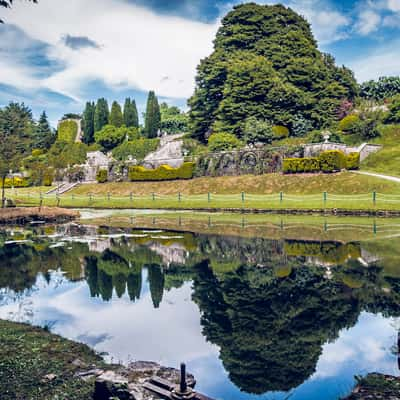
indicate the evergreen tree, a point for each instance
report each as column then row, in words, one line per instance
column 266, row 64
column 116, row 118
column 43, row 137
column 156, row 283
column 153, row 116
column 131, row 118
column 88, row 123
column 101, row 114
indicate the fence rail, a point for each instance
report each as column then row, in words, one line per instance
column 372, row 200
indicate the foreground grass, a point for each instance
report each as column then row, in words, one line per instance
column 29, row 354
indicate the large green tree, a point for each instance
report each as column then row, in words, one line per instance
column 16, row 137
column 384, row 88
column 88, row 123
column 173, row 120
column 266, row 64
column 101, row 114
column 153, row 116
column 44, row 137
column 116, row 118
column 131, row 118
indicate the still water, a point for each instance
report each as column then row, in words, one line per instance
column 253, row 317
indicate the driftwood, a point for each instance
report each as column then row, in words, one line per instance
column 25, row 215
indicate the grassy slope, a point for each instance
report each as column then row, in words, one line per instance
column 386, row 161
column 28, row 354
column 343, row 183
column 352, row 191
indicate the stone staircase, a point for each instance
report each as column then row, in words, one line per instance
column 63, row 188
column 169, row 152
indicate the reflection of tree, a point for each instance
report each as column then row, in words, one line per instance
column 135, row 283
column 271, row 330
column 156, row 282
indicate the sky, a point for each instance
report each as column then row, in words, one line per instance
column 57, row 54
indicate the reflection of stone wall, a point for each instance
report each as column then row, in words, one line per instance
column 242, row 162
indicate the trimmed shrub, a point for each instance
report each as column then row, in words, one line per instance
column 280, row 132
column 102, row 176
column 163, row 172
column 299, row 165
column 37, row 152
column 67, row 131
column 353, row 161
column 332, row 160
column 348, row 123
column 16, row 182
column 223, row 142
column 48, row 178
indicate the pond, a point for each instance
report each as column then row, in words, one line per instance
column 269, row 309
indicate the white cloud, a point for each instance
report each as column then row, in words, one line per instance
column 368, row 22
column 393, row 5
column 137, row 47
column 385, row 61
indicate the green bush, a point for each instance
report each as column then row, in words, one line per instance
column 299, row 165
column 48, row 178
column 164, row 172
column 348, row 123
column 280, row 132
column 223, row 142
column 102, row 176
column 332, row 160
column 353, row 161
column 37, row 152
column 138, row 149
column 67, row 131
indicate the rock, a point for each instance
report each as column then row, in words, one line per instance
column 109, row 385
column 49, row 377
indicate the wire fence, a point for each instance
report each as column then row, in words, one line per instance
column 242, row 199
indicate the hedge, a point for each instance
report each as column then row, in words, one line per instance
column 328, row 161
column 332, row 160
column 353, row 161
column 138, row 149
column 293, row 165
column 163, row 172
column 17, row 182
column 102, row 176
column 67, row 131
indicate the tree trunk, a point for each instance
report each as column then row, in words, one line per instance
column 3, row 192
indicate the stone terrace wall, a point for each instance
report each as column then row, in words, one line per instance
column 242, row 162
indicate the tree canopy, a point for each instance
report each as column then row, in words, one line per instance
column 88, row 123
column 153, row 116
column 101, row 114
column 116, row 118
column 382, row 89
column 266, row 64
column 131, row 118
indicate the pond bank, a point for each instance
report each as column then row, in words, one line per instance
column 35, row 364
column 24, row 215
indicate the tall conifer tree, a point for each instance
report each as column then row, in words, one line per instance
column 88, row 123
column 43, row 137
column 131, row 118
column 101, row 114
column 153, row 116
column 116, row 118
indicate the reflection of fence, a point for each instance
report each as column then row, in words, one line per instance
column 368, row 201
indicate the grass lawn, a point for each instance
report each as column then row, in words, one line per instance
column 344, row 191
column 28, row 354
column 386, row 161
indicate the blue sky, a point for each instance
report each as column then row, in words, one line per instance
column 56, row 55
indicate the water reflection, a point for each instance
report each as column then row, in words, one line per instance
column 272, row 307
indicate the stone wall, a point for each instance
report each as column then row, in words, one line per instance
column 315, row 149
column 242, row 162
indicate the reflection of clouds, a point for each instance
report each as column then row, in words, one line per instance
column 170, row 334
column 363, row 348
